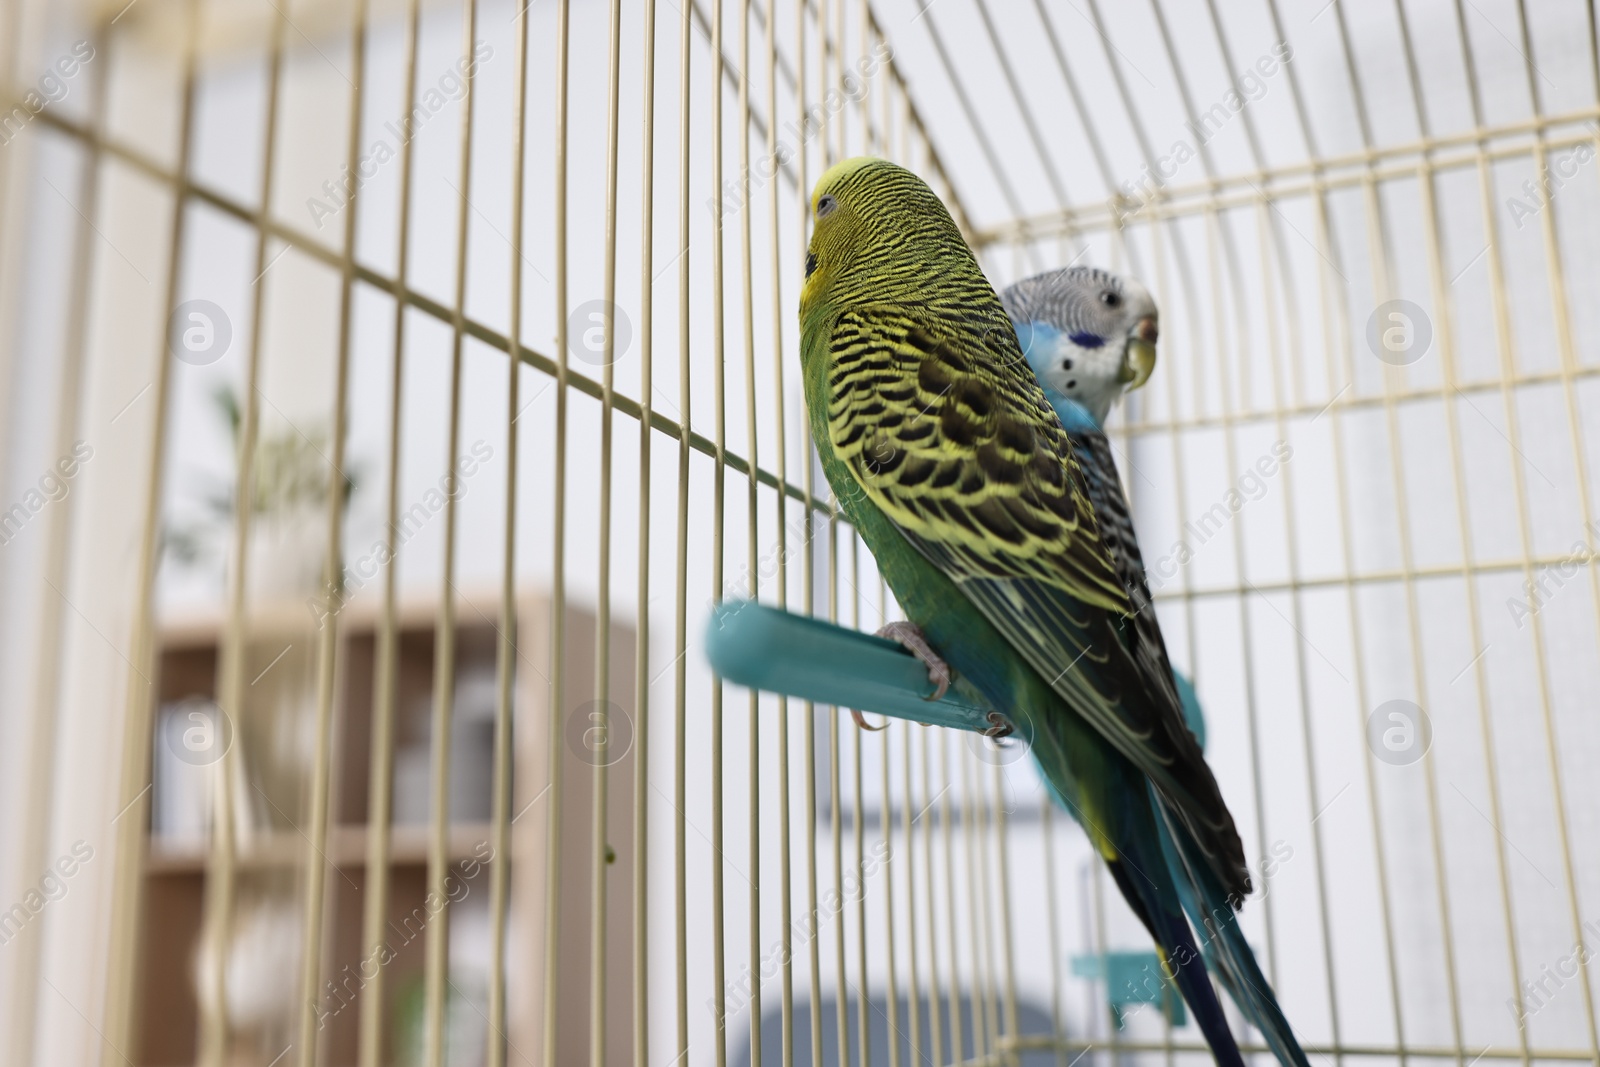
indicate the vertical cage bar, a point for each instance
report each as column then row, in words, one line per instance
column 983, row 1031
column 781, row 577
column 558, row 553
column 1052, row 914
column 217, row 914
column 599, row 799
column 873, row 141
column 935, row 993
column 886, row 832
column 994, row 994
column 135, row 779
column 833, row 46
column 958, row 987
column 913, row 983
column 37, row 820
column 680, row 864
column 718, row 513
column 380, row 798
column 1096, row 935
column 318, row 806
column 859, row 828
column 436, row 961
column 9, row 61
column 641, row 686
column 841, row 997
column 752, row 515
column 506, row 651
column 1003, row 878
column 808, row 606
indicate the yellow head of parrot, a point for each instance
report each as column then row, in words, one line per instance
column 832, row 221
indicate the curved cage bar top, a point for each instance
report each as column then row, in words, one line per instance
column 397, row 395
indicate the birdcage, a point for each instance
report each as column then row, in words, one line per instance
column 392, row 389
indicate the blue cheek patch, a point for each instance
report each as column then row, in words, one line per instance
column 1039, row 341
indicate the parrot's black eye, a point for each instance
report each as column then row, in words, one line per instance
column 811, row 264
column 1110, row 299
column 825, row 206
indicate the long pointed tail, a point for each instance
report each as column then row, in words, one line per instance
column 1151, row 889
column 1223, row 942
column 1181, row 957
column 1129, row 829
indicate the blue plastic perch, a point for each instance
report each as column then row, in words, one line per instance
column 1132, row 978
column 767, row 648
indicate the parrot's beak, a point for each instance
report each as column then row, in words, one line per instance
column 1140, row 361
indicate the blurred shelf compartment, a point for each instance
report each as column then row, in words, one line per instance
column 347, row 847
column 271, row 752
column 202, row 625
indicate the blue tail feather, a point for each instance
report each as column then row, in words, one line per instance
column 1184, row 964
column 1224, row 944
column 1148, row 885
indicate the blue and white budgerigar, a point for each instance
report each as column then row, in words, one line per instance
column 944, row 454
column 1089, row 336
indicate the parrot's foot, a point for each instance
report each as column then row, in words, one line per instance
column 999, row 726
column 862, row 722
column 909, row 636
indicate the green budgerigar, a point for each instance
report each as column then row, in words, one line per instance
column 945, row 455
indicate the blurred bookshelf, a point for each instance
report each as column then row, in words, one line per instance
column 270, row 755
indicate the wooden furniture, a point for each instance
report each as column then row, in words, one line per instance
column 272, row 735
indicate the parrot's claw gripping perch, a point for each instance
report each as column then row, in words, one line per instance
column 909, row 636
column 999, row 726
